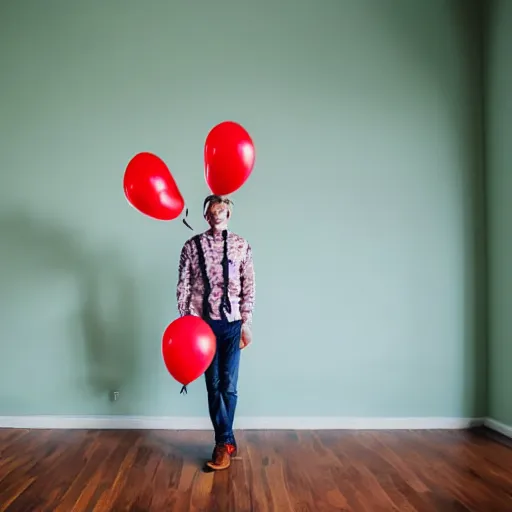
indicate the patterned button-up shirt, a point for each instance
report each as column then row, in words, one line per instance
column 241, row 286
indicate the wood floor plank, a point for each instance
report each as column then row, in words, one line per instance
column 275, row 471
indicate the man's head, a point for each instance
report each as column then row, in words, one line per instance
column 217, row 211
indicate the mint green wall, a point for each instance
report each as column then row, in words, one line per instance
column 364, row 209
column 499, row 154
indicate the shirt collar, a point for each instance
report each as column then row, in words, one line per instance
column 216, row 235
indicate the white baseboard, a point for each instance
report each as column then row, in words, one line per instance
column 241, row 423
column 499, row 427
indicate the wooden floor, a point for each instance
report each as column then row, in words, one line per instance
column 434, row 471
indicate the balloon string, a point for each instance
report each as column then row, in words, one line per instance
column 183, row 390
column 185, row 222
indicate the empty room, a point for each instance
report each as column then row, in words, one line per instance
column 255, row 256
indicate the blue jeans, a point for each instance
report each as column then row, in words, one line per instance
column 222, row 379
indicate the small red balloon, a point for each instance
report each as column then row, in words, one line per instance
column 150, row 187
column 188, row 348
column 228, row 157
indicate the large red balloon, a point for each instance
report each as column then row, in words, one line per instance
column 150, row 187
column 188, row 348
column 228, row 157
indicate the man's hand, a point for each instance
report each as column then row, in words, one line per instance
column 246, row 337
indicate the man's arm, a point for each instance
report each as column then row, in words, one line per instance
column 183, row 289
column 248, row 288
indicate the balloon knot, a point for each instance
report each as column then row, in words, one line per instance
column 183, row 390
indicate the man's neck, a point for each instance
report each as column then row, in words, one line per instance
column 217, row 230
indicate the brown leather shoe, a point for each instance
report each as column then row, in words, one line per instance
column 232, row 450
column 221, row 458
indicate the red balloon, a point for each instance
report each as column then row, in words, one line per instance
column 228, row 157
column 188, row 348
column 150, row 187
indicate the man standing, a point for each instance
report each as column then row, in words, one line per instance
column 216, row 283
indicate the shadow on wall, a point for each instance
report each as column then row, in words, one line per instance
column 34, row 255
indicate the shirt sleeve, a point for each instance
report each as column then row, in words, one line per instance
column 183, row 289
column 248, row 288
